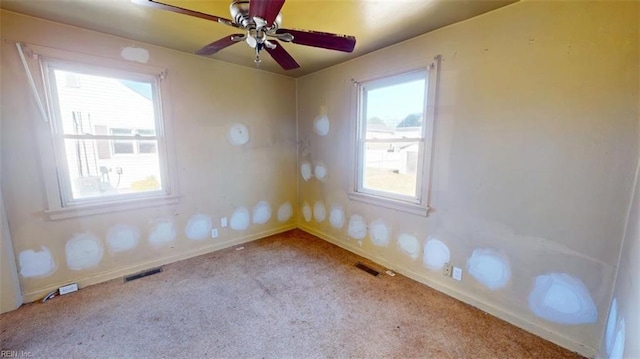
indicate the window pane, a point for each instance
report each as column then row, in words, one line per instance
column 395, row 111
column 148, row 147
column 103, row 101
column 146, row 132
column 122, row 146
column 391, row 167
column 92, row 175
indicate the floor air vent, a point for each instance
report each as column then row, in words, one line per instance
column 367, row 269
column 142, row 274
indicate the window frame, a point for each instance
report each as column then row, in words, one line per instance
column 61, row 204
column 418, row 204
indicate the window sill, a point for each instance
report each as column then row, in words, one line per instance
column 398, row 205
column 106, row 207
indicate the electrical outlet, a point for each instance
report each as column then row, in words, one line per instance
column 446, row 271
column 223, row 222
column 214, row 233
column 68, row 289
column 457, row 273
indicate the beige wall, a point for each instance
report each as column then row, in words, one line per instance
column 10, row 293
column 535, row 147
column 206, row 97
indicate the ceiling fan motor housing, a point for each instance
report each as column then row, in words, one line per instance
column 239, row 10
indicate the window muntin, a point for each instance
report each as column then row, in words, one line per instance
column 391, row 137
column 105, row 131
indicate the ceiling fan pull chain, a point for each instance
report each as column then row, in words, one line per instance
column 258, row 48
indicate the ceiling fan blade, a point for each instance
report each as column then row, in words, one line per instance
column 266, row 9
column 324, row 40
column 158, row 5
column 282, row 57
column 216, row 46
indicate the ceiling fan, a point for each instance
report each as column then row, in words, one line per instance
column 260, row 20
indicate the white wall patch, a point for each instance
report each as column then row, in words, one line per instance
column 319, row 212
column 379, row 233
column 336, row 217
column 321, row 125
column 357, row 228
column 320, row 171
column 83, row 251
column 610, row 332
column 122, row 237
column 198, row 227
column 436, row 254
column 489, row 267
column 136, row 54
column 238, row 134
column 162, row 233
column 261, row 212
column 285, row 211
column 306, row 212
column 240, row 219
column 35, row 264
column 561, row 298
column 409, row 245
column 305, row 171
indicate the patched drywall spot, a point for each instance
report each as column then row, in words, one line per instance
column 261, row 212
column 162, row 233
column 489, row 267
column 285, row 211
column 136, row 54
column 306, row 212
column 409, row 245
column 83, row 251
column 319, row 212
column 336, row 216
column 240, row 219
column 321, row 125
column 617, row 352
column 379, row 233
column 357, row 228
column 122, row 237
column 35, row 264
column 610, row 332
column 561, row 298
column 436, row 254
column 320, row 171
column 305, row 171
column 238, row 134
column 198, row 227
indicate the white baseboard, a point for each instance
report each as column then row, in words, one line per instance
column 120, row 272
column 545, row 333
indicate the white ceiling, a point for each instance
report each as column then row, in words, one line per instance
column 374, row 23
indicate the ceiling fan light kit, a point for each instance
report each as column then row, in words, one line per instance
column 260, row 20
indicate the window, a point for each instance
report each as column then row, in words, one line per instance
column 110, row 146
column 394, row 140
column 136, row 147
column 122, row 146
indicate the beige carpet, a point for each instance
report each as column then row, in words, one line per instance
column 287, row 296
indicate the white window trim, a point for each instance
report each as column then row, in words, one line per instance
column 415, row 205
column 38, row 57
